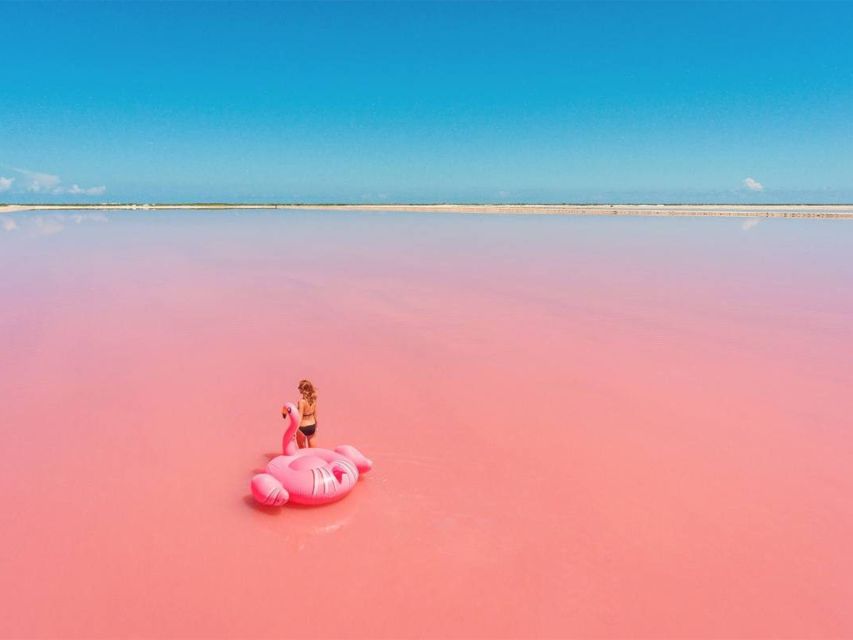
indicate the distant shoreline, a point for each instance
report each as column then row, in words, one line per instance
column 832, row 211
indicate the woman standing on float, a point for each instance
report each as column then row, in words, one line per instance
column 306, row 436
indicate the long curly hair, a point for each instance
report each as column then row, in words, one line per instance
column 308, row 391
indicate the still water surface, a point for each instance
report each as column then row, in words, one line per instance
column 580, row 426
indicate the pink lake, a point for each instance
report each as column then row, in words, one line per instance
column 581, row 427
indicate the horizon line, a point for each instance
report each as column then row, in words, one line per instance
column 720, row 210
column 275, row 203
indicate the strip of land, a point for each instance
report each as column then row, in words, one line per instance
column 712, row 210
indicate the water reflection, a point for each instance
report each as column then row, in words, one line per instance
column 49, row 224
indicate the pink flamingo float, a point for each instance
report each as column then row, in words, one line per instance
column 308, row 476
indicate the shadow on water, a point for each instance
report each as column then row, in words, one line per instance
column 250, row 502
column 299, row 523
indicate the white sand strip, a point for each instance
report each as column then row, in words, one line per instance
column 713, row 210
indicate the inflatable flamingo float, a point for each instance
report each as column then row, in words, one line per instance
column 308, row 476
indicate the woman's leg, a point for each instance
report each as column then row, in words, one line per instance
column 312, row 441
column 300, row 439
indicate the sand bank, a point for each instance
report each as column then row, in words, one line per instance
column 712, row 210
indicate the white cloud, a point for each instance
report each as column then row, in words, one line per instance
column 91, row 191
column 37, row 182
column 5, row 183
column 753, row 185
column 749, row 223
column 9, row 224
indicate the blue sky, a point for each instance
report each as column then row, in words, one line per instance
column 426, row 102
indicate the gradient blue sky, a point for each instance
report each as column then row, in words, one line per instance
column 426, row 102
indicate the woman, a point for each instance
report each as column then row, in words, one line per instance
column 306, row 436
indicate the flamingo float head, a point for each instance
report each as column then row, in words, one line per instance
column 292, row 418
column 289, row 409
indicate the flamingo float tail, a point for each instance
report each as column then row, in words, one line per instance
column 362, row 463
column 268, row 491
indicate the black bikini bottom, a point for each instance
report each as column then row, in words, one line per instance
column 308, row 430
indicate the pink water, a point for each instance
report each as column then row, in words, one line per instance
column 582, row 427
